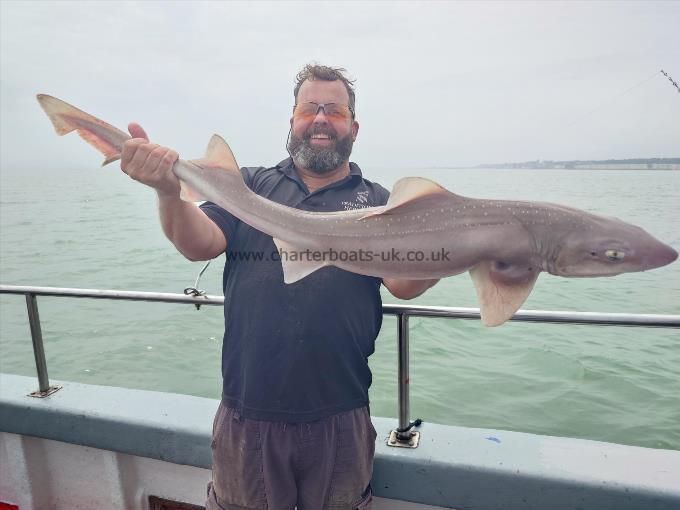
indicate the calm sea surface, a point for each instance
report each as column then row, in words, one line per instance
column 91, row 228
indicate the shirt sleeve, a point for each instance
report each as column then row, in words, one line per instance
column 226, row 221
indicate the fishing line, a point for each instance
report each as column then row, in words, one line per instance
column 194, row 291
column 618, row 96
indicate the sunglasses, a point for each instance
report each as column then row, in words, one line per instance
column 332, row 111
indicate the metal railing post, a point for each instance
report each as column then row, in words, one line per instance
column 403, row 436
column 403, row 362
column 44, row 387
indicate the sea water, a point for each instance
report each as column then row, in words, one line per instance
column 80, row 227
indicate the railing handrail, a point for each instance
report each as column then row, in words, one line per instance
column 552, row 316
column 403, row 436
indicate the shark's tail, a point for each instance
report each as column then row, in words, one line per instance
column 109, row 140
column 65, row 118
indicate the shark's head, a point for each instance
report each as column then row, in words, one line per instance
column 607, row 247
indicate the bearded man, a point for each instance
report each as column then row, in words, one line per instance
column 293, row 427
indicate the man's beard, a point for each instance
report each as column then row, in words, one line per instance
column 320, row 160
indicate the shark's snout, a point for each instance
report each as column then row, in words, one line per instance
column 660, row 256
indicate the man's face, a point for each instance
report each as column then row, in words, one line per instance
column 320, row 143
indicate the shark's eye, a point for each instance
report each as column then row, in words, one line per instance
column 614, row 255
column 593, row 253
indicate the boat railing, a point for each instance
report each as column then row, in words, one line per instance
column 404, row 435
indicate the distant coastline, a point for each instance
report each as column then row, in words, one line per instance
column 606, row 164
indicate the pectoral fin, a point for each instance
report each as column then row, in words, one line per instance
column 218, row 156
column 502, row 288
column 296, row 262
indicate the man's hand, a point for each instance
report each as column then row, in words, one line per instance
column 195, row 235
column 149, row 163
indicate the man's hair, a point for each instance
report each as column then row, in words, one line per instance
column 313, row 72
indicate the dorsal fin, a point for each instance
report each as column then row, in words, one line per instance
column 409, row 190
column 219, row 157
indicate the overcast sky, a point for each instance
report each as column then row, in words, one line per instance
column 437, row 83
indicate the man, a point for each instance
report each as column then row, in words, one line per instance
column 293, row 427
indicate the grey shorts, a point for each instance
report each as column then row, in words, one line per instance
column 321, row 465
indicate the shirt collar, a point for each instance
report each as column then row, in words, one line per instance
column 287, row 168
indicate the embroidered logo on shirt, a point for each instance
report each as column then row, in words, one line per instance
column 361, row 201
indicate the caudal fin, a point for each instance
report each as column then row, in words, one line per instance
column 65, row 118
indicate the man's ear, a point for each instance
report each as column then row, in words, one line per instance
column 355, row 130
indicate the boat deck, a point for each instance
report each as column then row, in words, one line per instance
column 130, row 444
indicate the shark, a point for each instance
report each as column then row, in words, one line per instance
column 424, row 231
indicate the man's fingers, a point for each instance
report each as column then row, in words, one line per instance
column 137, row 131
column 129, row 150
column 154, row 159
column 169, row 158
column 139, row 158
column 165, row 165
column 150, row 164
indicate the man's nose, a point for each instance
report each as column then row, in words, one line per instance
column 320, row 117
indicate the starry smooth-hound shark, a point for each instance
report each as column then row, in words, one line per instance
column 424, row 231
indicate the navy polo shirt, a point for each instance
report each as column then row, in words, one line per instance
column 295, row 352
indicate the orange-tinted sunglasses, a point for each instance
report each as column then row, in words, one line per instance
column 333, row 111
